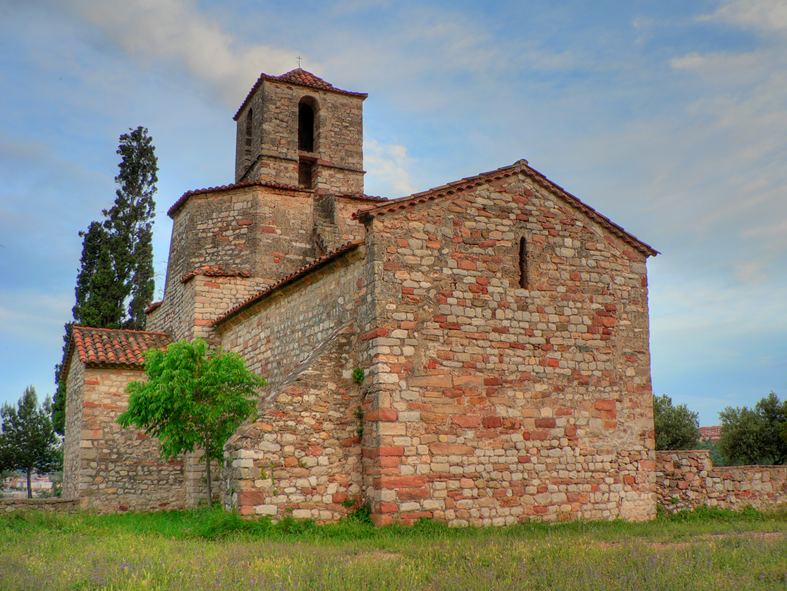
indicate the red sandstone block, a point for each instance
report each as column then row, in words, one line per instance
column 268, row 229
column 467, row 265
column 407, row 494
column 382, row 414
column 402, row 481
column 467, row 421
column 339, row 497
column 492, row 422
column 604, row 404
column 510, row 423
column 290, row 461
column 552, row 362
column 244, row 222
column 524, row 459
column 629, row 480
column 539, row 435
column 545, row 423
column 571, row 431
column 381, row 520
column 350, row 441
column 390, row 461
column 451, row 449
column 374, row 333
column 388, row 507
column 92, row 382
column 390, row 450
column 250, row 498
column 540, row 509
column 493, row 381
column 564, row 412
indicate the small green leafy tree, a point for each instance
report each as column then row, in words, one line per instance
column 194, row 397
column 755, row 436
column 27, row 438
column 676, row 426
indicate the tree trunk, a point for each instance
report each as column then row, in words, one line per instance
column 210, row 483
column 29, row 487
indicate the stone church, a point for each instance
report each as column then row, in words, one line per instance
column 477, row 353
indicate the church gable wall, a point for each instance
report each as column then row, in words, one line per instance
column 495, row 403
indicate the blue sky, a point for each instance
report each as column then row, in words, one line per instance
column 669, row 117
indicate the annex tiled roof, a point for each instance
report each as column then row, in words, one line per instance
column 712, row 433
column 231, row 187
column 114, row 347
column 520, row 166
column 212, row 271
column 300, row 77
column 287, row 279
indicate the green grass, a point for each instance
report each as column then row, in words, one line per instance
column 210, row 549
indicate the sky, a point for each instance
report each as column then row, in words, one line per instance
column 669, row 117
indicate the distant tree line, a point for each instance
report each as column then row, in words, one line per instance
column 748, row 435
column 114, row 283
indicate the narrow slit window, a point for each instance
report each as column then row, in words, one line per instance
column 306, row 124
column 306, row 174
column 249, row 123
column 523, row 263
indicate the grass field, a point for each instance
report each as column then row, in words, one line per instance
column 209, row 549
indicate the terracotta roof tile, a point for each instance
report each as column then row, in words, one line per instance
column 300, row 77
column 211, row 271
column 231, row 187
column 114, row 347
column 287, row 279
column 153, row 306
column 506, row 171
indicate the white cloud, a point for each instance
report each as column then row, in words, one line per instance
column 176, row 32
column 768, row 16
column 388, row 168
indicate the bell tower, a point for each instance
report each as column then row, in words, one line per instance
column 297, row 129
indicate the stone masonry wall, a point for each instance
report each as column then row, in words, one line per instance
column 49, row 505
column 264, row 232
column 303, row 452
column 687, row 479
column 73, row 426
column 493, row 403
column 117, row 469
column 338, row 149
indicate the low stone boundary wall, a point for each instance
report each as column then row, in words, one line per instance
column 24, row 504
column 687, row 479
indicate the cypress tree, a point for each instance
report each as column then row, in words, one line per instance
column 115, row 280
column 130, row 222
